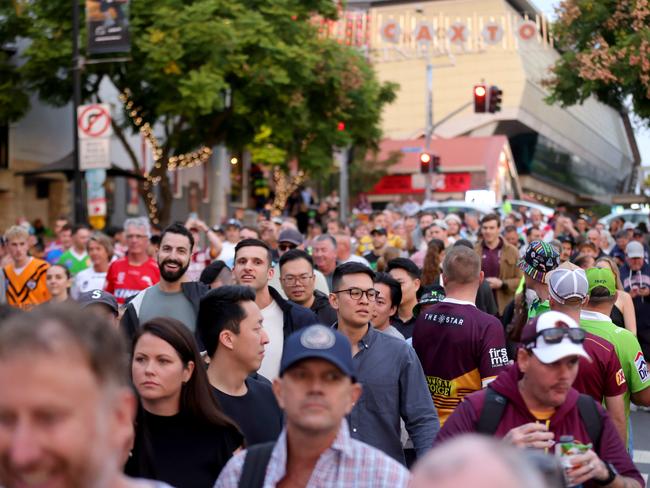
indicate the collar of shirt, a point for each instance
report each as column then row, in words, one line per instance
column 591, row 315
column 458, row 302
column 367, row 340
column 278, row 461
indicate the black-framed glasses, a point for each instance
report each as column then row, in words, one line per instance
column 286, row 246
column 356, row 293
column 292, row 280
column 556, row 334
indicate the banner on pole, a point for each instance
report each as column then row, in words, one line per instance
column 108, row 26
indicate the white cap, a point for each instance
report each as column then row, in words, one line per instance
column 549, row 353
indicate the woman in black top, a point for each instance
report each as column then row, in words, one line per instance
column 181, row 435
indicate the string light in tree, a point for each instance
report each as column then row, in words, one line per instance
column 284, row 186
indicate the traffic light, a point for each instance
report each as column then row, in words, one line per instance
column 495, row 97
column 427, row 160
column 480, row 97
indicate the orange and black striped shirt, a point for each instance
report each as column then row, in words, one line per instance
column 27, row 289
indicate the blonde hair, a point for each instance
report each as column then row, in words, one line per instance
column 16, row 232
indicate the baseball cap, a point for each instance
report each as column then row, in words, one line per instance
column 628, row 226
column 565, row 283
column 601, row 277
column 440, row 223
column 431, row 296
column 634, row 249
column 233, row 223
column 540, row 258
column 379, row 230
column 292, row 236
column 318, row 341
column 549, row 353
column 98, row 297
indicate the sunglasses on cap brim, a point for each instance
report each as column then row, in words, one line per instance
column 556, row 334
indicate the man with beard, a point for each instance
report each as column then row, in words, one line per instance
column 173, row 296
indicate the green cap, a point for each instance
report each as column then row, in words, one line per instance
column 601, row 277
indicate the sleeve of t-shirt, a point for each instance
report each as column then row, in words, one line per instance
column 464, row 419
column 634, row 363
column 615, row 383
column 611, row 450
column 109, row 284
column 493, row 353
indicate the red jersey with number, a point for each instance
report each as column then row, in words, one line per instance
column 124, row 280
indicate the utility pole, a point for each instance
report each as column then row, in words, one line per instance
column 79, row 208
column 429, row 130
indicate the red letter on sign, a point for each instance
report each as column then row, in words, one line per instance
column 423, row 33
column 459, row 33
column 527, row 31
column 492, row 32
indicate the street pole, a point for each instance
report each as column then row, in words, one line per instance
column 344, row 189
column 79, row 211
column 429, row 130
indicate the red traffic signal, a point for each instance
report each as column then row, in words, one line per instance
column 340, row 126
column 480, row 98
column 495, row 98
column 429, row 163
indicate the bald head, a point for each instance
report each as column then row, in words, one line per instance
column 473, row 460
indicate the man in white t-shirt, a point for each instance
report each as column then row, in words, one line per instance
column 253, row 267
column 232, row 230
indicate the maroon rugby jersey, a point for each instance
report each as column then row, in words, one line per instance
column 461, row 350
column 602, row 376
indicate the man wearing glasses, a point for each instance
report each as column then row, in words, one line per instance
column 393, row 382
column 127, row 276
column 538, row 406
column 297, row 276
column 292, row 239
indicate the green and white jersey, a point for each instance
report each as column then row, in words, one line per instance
column 73, row 261
column 627, row 349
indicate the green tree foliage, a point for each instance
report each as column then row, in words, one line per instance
column 605, row 46
column 289, row 87
column 14, row 100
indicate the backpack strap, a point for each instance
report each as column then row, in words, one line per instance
column 255, row 463
column 493, row 408
column 591, row 418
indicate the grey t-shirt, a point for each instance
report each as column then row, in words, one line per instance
column 157, row 303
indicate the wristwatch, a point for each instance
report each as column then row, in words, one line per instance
column 612, row 474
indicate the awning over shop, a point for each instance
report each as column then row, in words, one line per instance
column 65, row 165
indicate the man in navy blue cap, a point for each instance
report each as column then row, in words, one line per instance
column 316, row 389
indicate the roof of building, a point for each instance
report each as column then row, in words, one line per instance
column 456, row 154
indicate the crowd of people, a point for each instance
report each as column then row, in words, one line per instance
column 292, row 351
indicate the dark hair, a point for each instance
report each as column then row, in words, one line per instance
column 67, row 271
column 255, row 243
column 530, row 230
column 509, row 228
column 407, row 265
column 77, row 227
column 65, row 228
column 220, row 309
column 581, row 260
column 431, row 267
column 252, row 229
column 347, row 269
column 489, row 217
column 463, row 242
column 54, row 328
column 295, row 254
column 211, row 271
column 178, row 228
column 197, row 399
column 393, row 285
column 600, row 295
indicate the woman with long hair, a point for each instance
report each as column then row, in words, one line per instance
column 100, row 252
column 623, row 310
column 433, row 262
column 182, row 437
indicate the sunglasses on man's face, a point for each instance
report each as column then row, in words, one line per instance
column 286, row 247
column 556, row 334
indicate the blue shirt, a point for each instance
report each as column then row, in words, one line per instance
column 394, row 387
